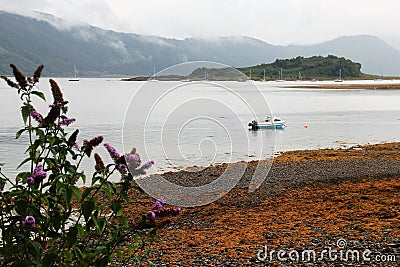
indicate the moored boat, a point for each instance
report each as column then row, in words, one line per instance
column 271, row 122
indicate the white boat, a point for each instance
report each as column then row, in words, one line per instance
column 340, row 77
column 153, row 79
column 271, row 122
column 75, row 78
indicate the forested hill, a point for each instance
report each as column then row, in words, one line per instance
column 316, row 67
column 59, row 45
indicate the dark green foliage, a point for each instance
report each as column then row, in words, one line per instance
column 45, row 219
column 96, row 52
column 316, row 67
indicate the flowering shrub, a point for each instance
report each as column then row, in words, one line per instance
column 45, row 219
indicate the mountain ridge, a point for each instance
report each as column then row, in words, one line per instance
column 28, row 42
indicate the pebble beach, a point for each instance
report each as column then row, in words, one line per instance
column 310, row 200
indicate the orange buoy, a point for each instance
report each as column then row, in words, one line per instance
column 305, row 126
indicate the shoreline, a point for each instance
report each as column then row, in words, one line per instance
column 378, row 86
column 309, row 199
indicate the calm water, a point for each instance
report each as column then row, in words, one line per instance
column 186, row 124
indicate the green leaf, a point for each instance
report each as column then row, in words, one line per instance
column 78, row 253
column 22, row 176
column 49, row 259
column 56, row 220
column 25, row 113
column 23, row 162
column 67, row 194
column 40, row 133
column 87, row 208
column 81, row 230
column 101, row 224
column 76, row 192
column 72, row 236
column 39, row 94
column 86, row 192
column 123, row 220
column 22, row 206
column 18, row 134
column 116, row 207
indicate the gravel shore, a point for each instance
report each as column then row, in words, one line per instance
column 309, row 200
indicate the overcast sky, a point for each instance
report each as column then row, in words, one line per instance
column 278, row 22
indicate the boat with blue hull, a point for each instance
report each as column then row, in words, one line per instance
column 271, row 122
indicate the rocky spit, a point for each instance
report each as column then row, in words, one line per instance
column 309, row 200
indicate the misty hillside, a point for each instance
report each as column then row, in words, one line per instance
column 28, row 42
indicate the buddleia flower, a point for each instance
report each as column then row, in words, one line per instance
column 122, row 167
column 19, row 77
column 159, row 203
column 99, row 163
column 66, row 121
column 52, row 116
column 150, row 215
column 72, row 139
column 88, row 146
column 36, row 115
column 38, row 174
column 132, row 160
column 57, row 93
column 37, row 73
column 9, row 82
column 113, row 152
column 30, row 181
column 29, row 222
column 170, row 211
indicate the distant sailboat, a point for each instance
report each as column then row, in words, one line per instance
column 75, row 79
column 280, row 79
column 205, row 75
column 300, row 78
column 153, row 79
column 264, row 80
column 340, row 77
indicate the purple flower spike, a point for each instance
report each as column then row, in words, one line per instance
column 112, row 151
column 66, row 122
column 30, row 180
column 133, row 161
column 121, row 167
column 147, row 165
column 29, row 222
column 132, row 157
column 38, row 174
column 35, row 115
column 159, row 203
column 150, row 215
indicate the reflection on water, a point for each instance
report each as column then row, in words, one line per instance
column 315, row 119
